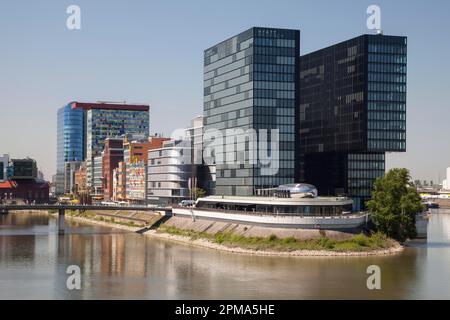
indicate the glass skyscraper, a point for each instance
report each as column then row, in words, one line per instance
column 70, row 142
column 352, row 110
column 250, row 83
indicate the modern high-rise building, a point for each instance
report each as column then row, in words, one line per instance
column 250, row 83
column 83, row 129
column 352, row 111
column 70, row 145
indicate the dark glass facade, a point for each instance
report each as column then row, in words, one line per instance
column 250, row 83
column 352, row 110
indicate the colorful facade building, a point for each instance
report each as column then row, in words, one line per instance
column 111, row 157
column 119, row 183
column 81, row 191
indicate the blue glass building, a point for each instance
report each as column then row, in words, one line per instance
column 70, row 142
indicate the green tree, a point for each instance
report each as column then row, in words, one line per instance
column 394, row 205
column 198, row 193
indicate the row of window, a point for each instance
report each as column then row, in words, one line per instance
column 274, row 94
column 368, row 165
column 385, row 58
column 284, row 104
column 274, row 51
column 386, row 115
column 366, row 156
column 392, row 96
column 274, row 120
column 386, row 145
column 386, row 77
column 273, row 59
column 376, row 106
column 365, row 174
column 386, row 135
column 267, row 85
column 273, row 68
column 387, row 87
column 387, row 48
column 287, row 43
column 386, row 125
column 387, row 68
column 265, row 76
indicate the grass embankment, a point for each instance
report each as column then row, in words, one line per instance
column 91, row 215
column 357, row 243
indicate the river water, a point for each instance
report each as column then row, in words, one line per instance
column 117, row 264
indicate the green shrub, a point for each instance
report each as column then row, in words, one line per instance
column 272, row 237
column 361, row 240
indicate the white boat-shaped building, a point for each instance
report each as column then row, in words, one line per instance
column 283, row 210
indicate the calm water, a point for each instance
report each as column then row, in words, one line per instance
column 123, row 265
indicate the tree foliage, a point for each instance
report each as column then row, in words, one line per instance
column 198, row 193
column 394, row 205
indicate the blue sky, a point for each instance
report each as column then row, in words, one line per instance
column 152, row 52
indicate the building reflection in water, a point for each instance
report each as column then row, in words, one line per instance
column 124, row 265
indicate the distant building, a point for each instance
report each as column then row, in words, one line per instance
column 71, row 145
column 135, row 161
column 177, row 168
column 4, row 163
column 81, row 190
column 111, row 156
column 119, row 182
column 19, row 181
column 96, row 188
column 23, row 169
column 83, row 129
column 168, row 173
column 30, row 191
column 446, row 182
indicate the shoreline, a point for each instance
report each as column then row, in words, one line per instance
column 203, row 243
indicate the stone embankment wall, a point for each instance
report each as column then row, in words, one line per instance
column 213, row 227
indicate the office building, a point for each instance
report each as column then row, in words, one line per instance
column 84, row 127
column 352, row 111
column 111, row 157
column 168, row 173
column 250, row 84
column 70, row 146
column 23, row 169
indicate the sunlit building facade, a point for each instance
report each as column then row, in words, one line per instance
column 250, row 83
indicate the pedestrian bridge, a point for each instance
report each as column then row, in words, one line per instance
column 5, row 208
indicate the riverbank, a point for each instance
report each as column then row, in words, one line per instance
column 353, row 245
column 357, row 245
